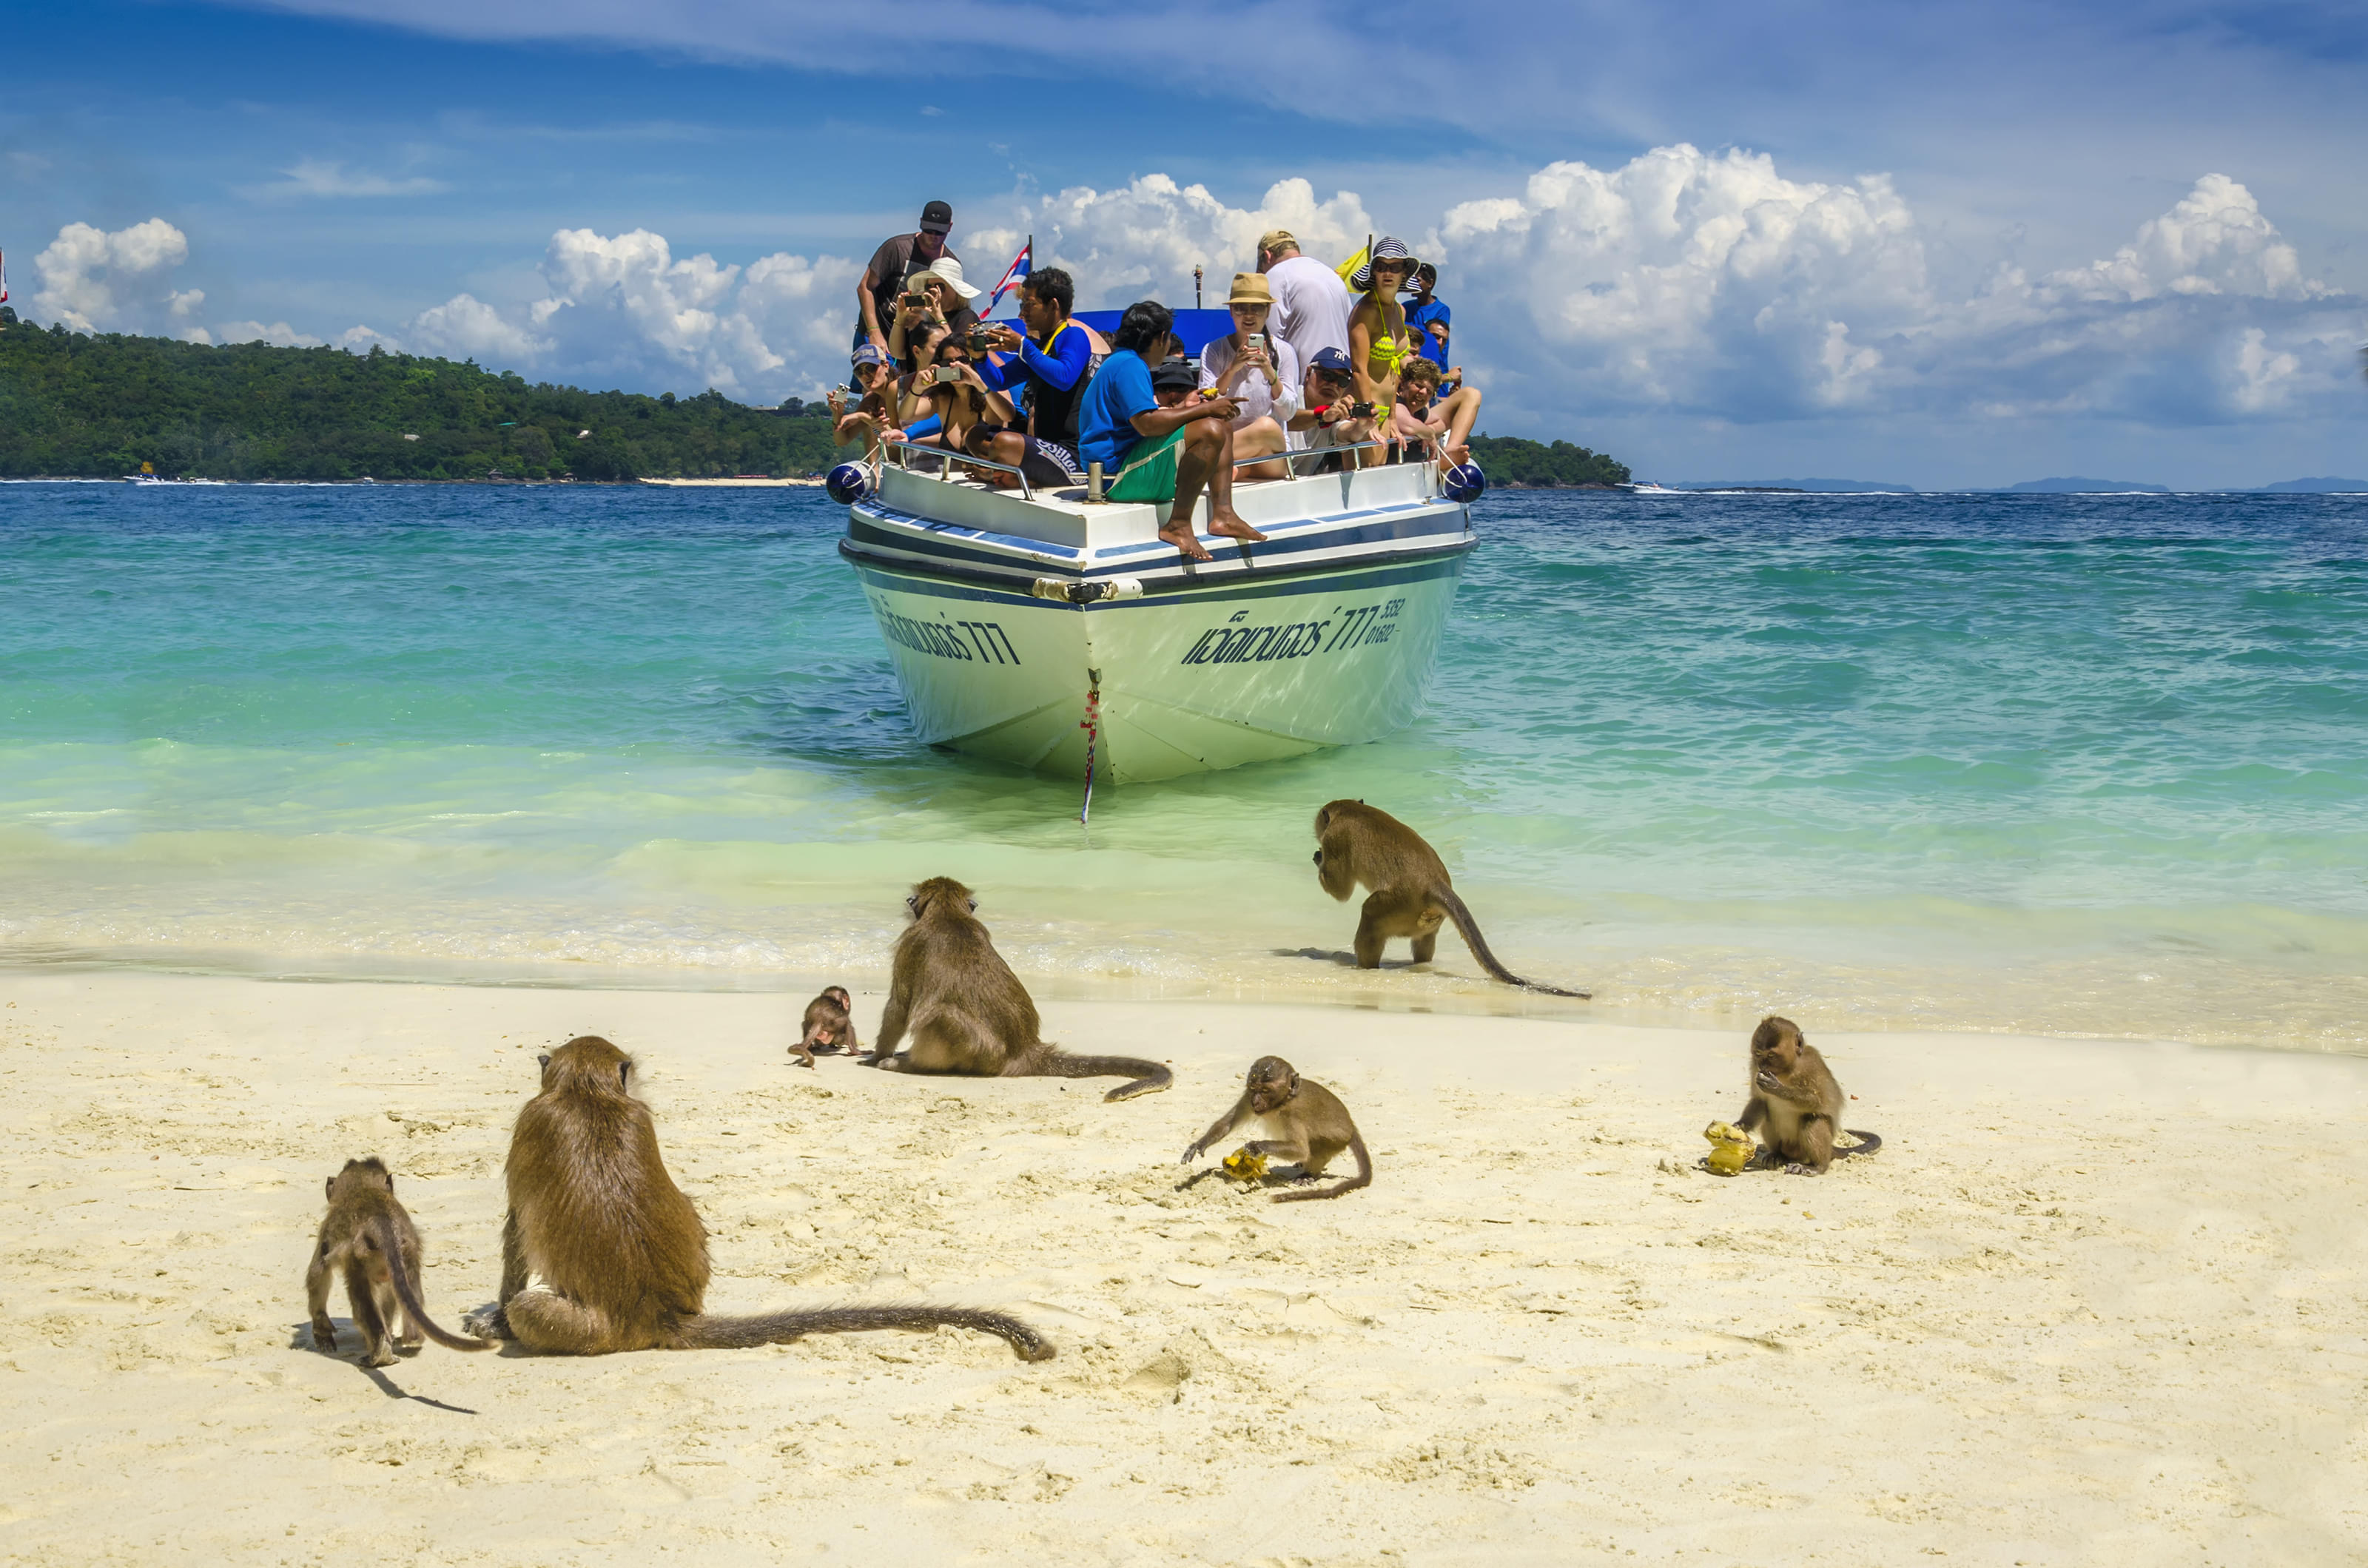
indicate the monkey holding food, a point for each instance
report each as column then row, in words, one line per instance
column 829, row 1023
column 1410, row 893
column 968, row 1012
column 601, row 1251
column 369, row 1238
column 1795, row 1104
column 1306, row 1124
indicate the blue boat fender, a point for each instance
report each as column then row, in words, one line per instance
column 847, row 484
column 1464, row 483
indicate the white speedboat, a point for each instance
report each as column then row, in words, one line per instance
column 1024, row 627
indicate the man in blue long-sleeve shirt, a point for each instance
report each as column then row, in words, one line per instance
column 1052, row 364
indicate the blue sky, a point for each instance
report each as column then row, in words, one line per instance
column 1943, row 244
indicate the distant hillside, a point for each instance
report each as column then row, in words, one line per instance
column 2315, row 487
column 2083, row 486
column 1510, row 460
column 79, row 406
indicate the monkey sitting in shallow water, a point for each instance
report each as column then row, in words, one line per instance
column 369, row 1238
column 1306, row 1124
column 1410, row 893
column 1795, row 1103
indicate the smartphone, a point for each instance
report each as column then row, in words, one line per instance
column 946, row 373
column 1255, row 342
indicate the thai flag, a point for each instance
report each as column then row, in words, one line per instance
column 1013, row 273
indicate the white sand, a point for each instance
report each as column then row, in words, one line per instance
column 2092, row 1303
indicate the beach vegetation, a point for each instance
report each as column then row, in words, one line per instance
column 1511, row 459
column 79, row 405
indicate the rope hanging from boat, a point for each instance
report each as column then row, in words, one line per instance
column 1091, row 724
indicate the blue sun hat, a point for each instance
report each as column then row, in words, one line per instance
column 847, row 484
column 1464, row 483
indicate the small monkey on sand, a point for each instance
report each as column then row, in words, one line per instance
column 968, row 1012
column 1306, row 1124
column 1795, row 1104
column 602, row 1251
column 1410, row 893
column 368, row 1238
column 829, row 1023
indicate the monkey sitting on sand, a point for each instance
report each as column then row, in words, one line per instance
column 1410, row 892
column 968, row 1012
column 1306, row 1124
column 602, row 1251
column 829, row 1023
column 367, row 1237
column 1795, row 1104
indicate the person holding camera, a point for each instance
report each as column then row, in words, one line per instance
column 942, row 398
column 883, row 281
column 1053, row 363
column 934, row 296
column 871, row 417
column 1427, row 424
column 1331, row 416
column 1161, row 453
column 1259, row 372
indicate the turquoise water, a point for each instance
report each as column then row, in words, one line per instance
column 2081, row 765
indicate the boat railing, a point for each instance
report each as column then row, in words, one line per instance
column 950, row 458
column 1292, row 454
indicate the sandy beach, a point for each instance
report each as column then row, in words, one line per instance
column 2093, row 1302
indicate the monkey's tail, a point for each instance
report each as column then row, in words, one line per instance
column 1365, row 1176
column 1149, row 1077
column 1479, row 945
column 408, row 1294
column 708, row 1333
column 1867, row 1143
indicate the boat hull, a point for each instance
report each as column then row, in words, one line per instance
column 1191, row 680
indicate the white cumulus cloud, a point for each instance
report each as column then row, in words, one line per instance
column 96, row 281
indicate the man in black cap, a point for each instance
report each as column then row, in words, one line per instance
column 883, row 280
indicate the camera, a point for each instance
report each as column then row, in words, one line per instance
column 947, row 374
column 978, row 339
column 1361, row 410
column 918, row 298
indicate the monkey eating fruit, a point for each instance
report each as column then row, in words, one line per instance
column 829, row 1023
column 1795, row 1104
column 368, row 1238
column 602, row 1251
column 1409, row 893
column 968, row 1012
column 1306, row 1124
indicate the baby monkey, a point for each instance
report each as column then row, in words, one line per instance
column 830, row 1024
column 1795, row 1104
column 367, row 1237
column 1305, row 1122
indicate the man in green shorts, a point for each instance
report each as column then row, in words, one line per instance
column 1158, row 448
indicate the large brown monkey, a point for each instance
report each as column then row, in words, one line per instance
column 1410, row 891
column 968, row 1012
column 1305, row 1122
column 601, row 1251
column 369, row 1238
column 1795, row 1104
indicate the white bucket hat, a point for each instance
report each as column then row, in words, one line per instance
column 950, row 270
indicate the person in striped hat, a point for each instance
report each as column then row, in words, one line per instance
column 1377, row 329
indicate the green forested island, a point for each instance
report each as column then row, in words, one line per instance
column 75, row 405
column 78, row 406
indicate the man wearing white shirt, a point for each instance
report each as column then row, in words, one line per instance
column 1311, row 304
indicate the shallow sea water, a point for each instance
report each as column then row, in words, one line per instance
column 2071, row 765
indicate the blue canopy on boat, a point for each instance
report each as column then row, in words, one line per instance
column 1197, row 328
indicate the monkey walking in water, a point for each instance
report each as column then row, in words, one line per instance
column 1306, row 1124
column 1795, row 1104
column 1409, row 890
column 368, row 1238
column 829, row 1023
column 968, row 1012
column 602, row 1251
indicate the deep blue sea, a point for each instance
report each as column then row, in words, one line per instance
column 2057, row 763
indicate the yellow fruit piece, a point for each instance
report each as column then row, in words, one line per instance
column 1728, row 1159
column 1243, row 1165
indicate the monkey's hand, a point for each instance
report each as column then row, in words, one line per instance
column 488, row 1322
column 325, row 1335
column 1191, row 1152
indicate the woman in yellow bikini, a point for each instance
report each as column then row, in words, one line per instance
column 1377, row 331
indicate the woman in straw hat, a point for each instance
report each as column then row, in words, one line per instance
column 1259, row 372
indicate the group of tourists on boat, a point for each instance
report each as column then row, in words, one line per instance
column 1325, row 367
